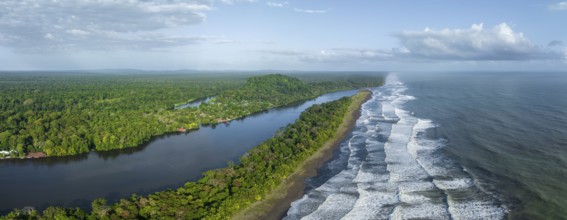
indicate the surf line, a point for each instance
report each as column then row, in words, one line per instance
column 402, row 176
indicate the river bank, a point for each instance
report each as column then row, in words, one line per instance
column 275, row 205
column 166, row 162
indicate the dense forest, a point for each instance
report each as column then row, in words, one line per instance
column 221, row 193
column 66, row 114
column 72, row 113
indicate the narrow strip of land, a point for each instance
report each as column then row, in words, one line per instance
column 277, row 202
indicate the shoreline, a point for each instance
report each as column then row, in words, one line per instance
column 277, row 202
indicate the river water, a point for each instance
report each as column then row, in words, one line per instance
column 165, row 162
column 450, row 146
column 195, row 103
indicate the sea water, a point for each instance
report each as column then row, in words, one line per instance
column 450, row 146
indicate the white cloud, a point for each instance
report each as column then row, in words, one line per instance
column 282, row 52
column 36, row 25
column 475, row 43
column 560, row 6
column 348, row 55
column 337, row 55
column 78, row 32
column 224, row 41
column 175, row 7
column 49, row 36
column 311, row 11
column 231, row 2
column 277, row 4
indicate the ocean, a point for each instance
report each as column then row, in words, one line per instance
column 474, row 145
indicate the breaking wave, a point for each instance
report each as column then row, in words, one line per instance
column 390, row 169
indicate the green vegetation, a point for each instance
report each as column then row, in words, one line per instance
column 276, row 203
column 68, row 114
column 221, row 193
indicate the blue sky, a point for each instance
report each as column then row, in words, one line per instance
column 283, row 35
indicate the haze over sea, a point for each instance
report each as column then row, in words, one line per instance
column 450, row 145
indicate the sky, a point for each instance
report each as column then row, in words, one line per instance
column 324, row 35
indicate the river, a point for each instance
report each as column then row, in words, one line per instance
column 165, row 162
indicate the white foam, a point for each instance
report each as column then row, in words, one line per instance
column 476, row 210
column 420, row 211
column 453, row 184
column 297, row 208
column 313, row 201
column 388, row 112
column 403, row 177
column 373, row 204
column 371, row 142
column 335, row 191
column 335, row 206
column 369, row 177
column 415, row 186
